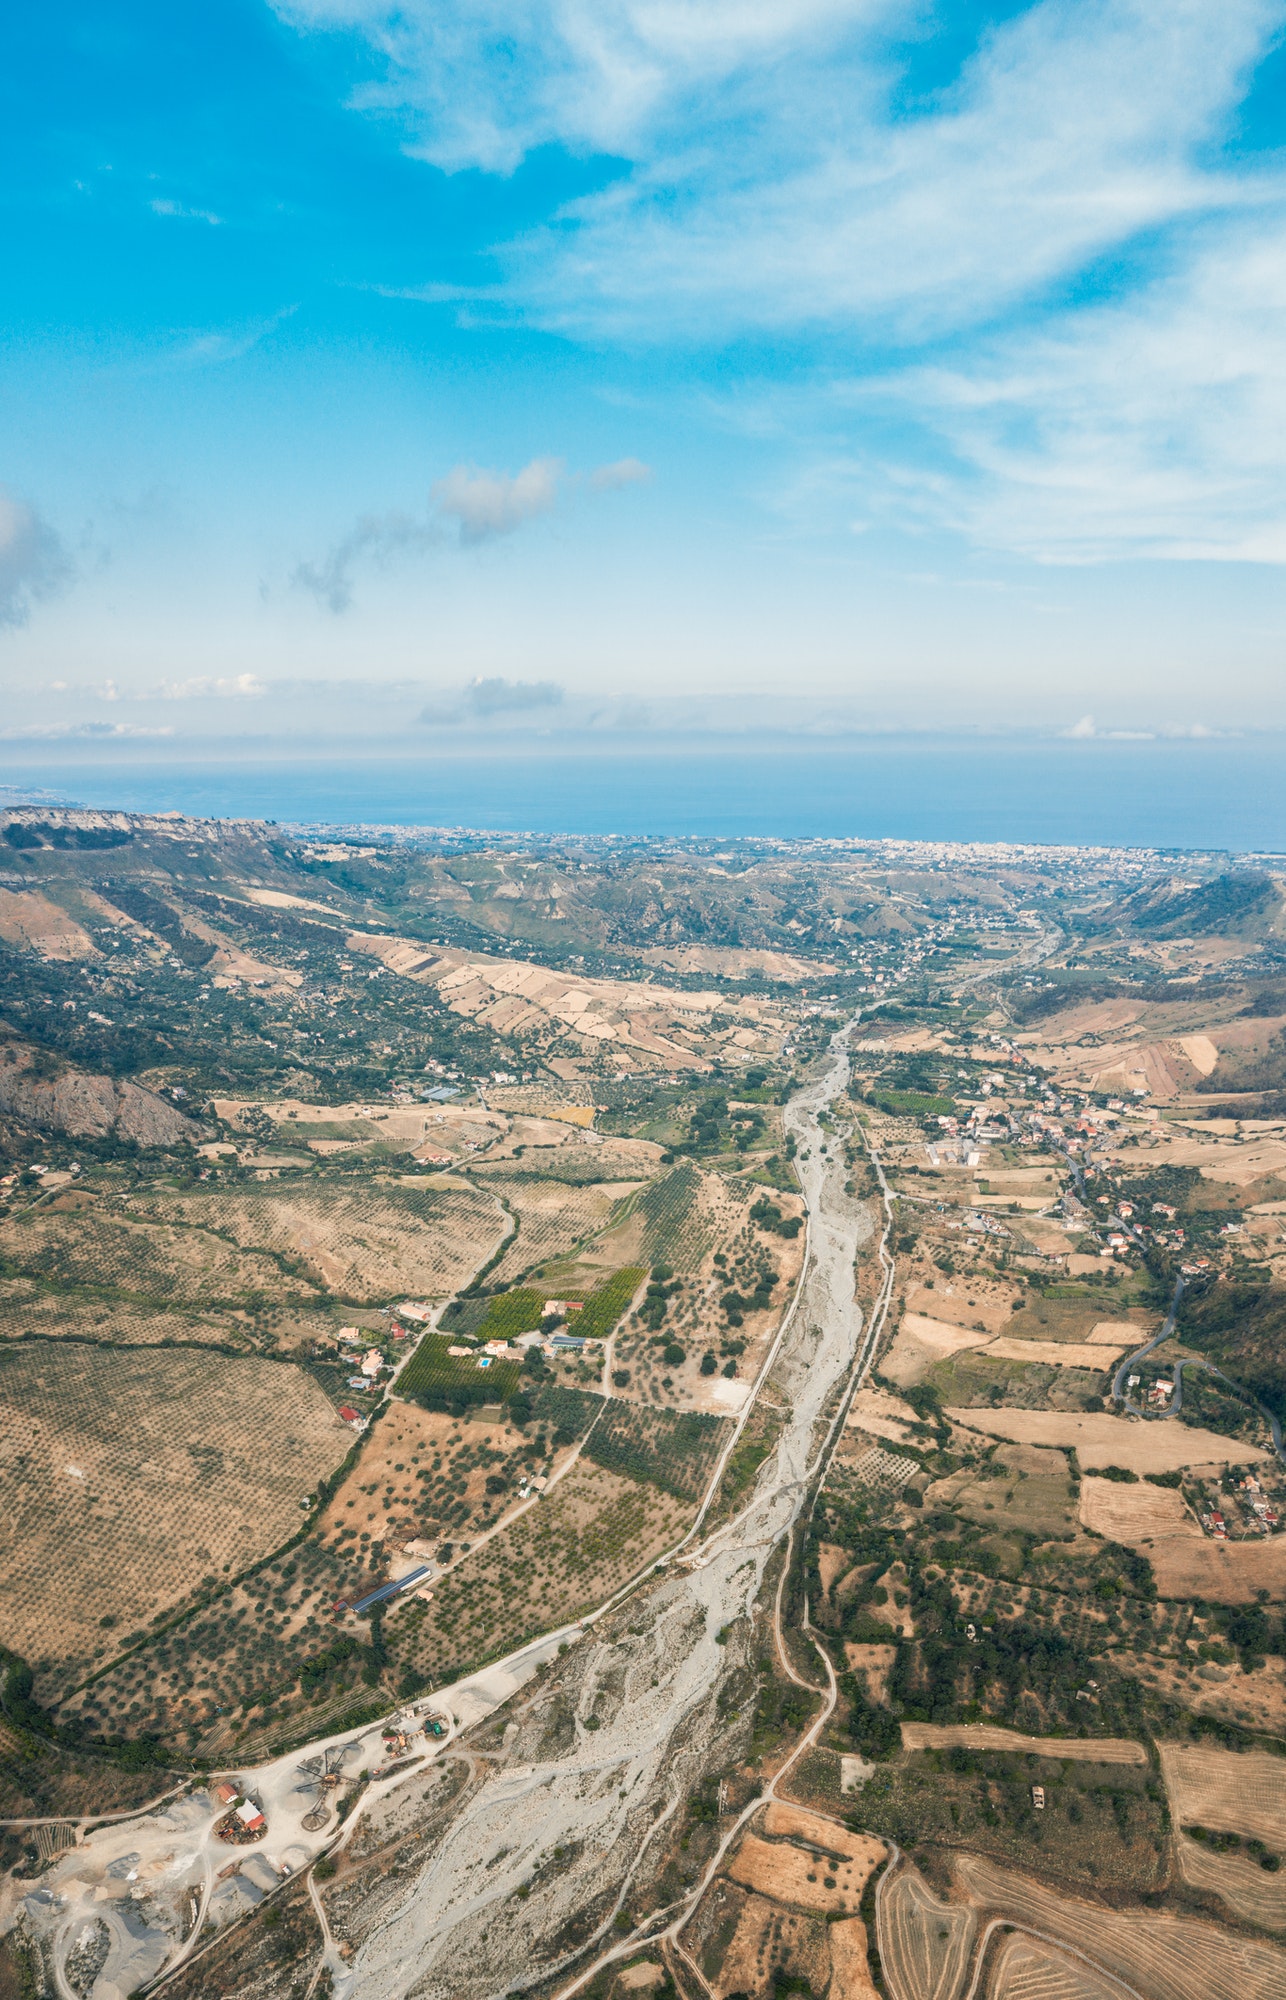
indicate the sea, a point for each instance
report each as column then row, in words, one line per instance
column 1215, row 794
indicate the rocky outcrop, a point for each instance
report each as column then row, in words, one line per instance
column 85, row 1106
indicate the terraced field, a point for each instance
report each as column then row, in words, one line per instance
column 924, row 1942
column 1162, row 1956
column 1025, row 1969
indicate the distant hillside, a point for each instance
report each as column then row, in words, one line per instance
column 1237, row 905
column 49, row 1095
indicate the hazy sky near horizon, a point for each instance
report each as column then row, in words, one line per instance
column 925, row 359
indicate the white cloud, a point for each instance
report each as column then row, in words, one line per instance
column 33, row 561
column 622, row 472
column 235, row 687
column 488, row 82
column 1045, row 269
column 477, row 503
column 487, row 504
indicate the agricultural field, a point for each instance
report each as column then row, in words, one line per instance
column 1239, row 1879
column 271, row 1654
column 361, row 1244
column 130, row 1476
column 423, row 1480
column 985, row 1736
column 1186, row 1562
column 1227, row 1791
column 554, row 1217
column 924, row 1942
column 1021, row 1487
column 1027, row 1969
column 579, row 1025
column 676, row 1451
column 29, row 1311
column 781, row 1902
column 585, row 1538
column 1099, row 1439
column 112, row 1253
column 1162, row 1956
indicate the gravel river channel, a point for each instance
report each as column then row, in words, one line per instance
column 459, row 1929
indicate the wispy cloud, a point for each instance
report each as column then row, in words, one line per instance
column 623, row 472
column 1148, row 426
column 1054, row 275
column 206, row 687
column 775, row 180
column 378, row 537
column 34, row 563
column 212, row 346
column 180, row 212
column 81, row 732
column 484, row 699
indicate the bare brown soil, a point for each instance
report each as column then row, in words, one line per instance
column 767, row 1936
column 1248, row 1890
column 1027, row 1969
column 1227, row 1791
column 1162, row 1956
column 987, row 1736
column 1105, row 1440
column 28, row 918
column 1185, row 1561
column 423, row 1476
column 920, row 1342
column 790, row 1875
column 574, row 1020
column 874, row 1663
column 1136, row 1514
column 924, row 1942
column 981, row 1303
column 850, row 1965
column 1059, row 1353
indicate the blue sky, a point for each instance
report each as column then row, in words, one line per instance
column 809, row 361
